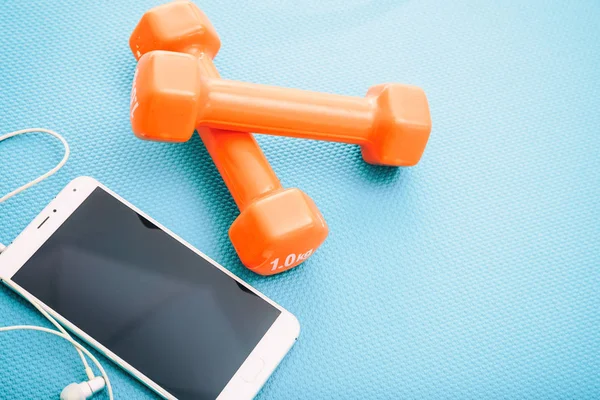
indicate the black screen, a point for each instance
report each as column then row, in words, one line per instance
column 146, row 297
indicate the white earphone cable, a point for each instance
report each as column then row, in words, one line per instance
column 47, row 174
column 63, row 333
column 33, row 302
column 69, row 339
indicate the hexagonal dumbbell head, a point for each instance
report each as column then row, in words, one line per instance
column 402, row 125
column 165, row 96
column 179, row 26
column 268, row 233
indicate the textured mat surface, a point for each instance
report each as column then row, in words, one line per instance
column 475, row 275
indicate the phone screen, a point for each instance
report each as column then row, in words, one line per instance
column 149, row 299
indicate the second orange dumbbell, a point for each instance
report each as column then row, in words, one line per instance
column 392, row 124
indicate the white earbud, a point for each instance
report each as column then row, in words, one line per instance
column 83, row 390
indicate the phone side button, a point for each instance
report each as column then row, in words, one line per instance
column 252, row 368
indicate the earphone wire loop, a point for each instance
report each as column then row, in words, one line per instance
column 47, row 174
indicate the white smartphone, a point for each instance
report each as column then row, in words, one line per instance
column 175, row 319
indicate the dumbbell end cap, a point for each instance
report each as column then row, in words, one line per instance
column 278, row 232
column 165, row 96
column 402, row 126
column 177, row 26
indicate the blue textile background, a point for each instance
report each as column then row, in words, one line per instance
column 474, row 275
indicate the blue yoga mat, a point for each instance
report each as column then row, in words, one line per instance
column 474, row 275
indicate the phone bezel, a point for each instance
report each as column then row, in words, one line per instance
column 247, row 380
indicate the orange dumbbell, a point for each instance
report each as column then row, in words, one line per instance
column 183, row 91
column 392, row 123
column 277, row 228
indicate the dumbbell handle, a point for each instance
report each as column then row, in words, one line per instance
column 240, row 161
column 290, row 112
